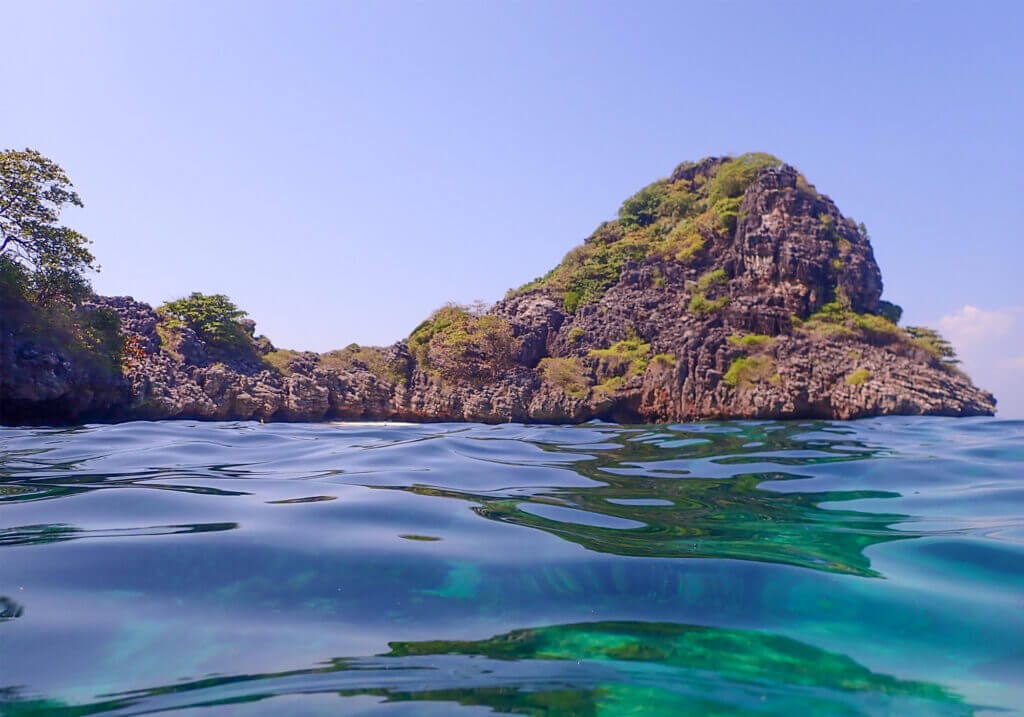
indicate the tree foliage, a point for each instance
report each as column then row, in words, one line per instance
column 463, row 343
column 933, row 342
column 214, row 318
column 42, row 265
column 892, row 312
column 34, row 191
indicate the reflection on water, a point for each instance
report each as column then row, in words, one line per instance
column 613, row 668
column 9, row 609
column 691, row 504
column 52, row 533
column 701, row 518
column 730, row 568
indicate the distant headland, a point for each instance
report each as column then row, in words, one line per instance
column 731, row 289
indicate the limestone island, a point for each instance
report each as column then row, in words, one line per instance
column 733, row 289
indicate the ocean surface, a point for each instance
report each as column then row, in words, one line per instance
column 741, row 568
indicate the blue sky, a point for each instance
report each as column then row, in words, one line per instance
column 341, row 169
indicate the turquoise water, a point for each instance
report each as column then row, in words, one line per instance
column 873, row 567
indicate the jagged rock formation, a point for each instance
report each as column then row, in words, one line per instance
column 732, row 289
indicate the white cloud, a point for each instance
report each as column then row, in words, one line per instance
column 972, row 324
column 991, row 344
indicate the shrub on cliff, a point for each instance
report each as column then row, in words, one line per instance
column 641, row 209
column 460, row 343
column 374, row 359
column 890, row 311
column 836, row 319
column 629, row 356
column 745, row 371
column 877, row 328
column 279, row 360
column 567, row 373
column 750, row 341
column 858, row 377
column 733, row 177
column 699, row 303
column 214, row 318
column 933, row 342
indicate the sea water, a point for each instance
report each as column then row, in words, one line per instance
column 872, row 567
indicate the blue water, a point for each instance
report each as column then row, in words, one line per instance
column 872, row 567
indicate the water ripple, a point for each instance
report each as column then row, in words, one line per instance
column 866, row 567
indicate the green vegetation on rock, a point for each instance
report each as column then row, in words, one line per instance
column 700, row 304
column 672, row 221
column 933, row 342
column 279, row 360
column 710, row 279
column 476, row 364
column 351, row 358
column 567, row 373
column 458, row 342
column 629, row 356
column 609, row 386
column 439, row 321
column 856, row 378
column 747, row 370
column 750, row 341
column 372, row 358
column 657, row 279
column 875, row 326
column 733, row 177
column 836, row 319
column 822, row 327
column 214, row 319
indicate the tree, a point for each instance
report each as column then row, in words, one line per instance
column 892, row 312
column 214, row 318
column 33, row 192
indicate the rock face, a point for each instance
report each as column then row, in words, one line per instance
column 56, row 366
column 732, row 289
column 40, row 384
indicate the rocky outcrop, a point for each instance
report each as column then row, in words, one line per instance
column 716, row 298
column 41, row 383
column 53, row 366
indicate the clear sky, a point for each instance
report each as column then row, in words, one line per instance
column 339, row 169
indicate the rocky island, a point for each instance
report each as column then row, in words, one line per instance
column 731, row 289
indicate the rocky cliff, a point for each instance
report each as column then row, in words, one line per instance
column 731, row 289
